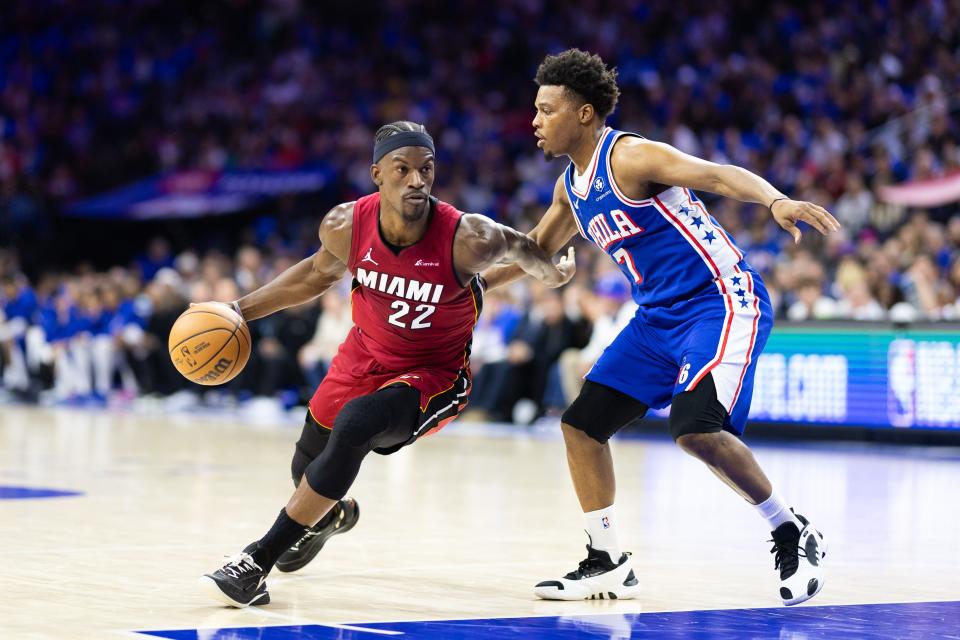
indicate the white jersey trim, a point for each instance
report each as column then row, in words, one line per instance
column 753, row 339
column 581, row 183
column 723, row 233
column 613, row 179
column 737, row 342
column 677, row 224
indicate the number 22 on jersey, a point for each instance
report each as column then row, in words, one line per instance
column 403, row 309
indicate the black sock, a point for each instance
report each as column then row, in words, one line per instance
column 284, row 532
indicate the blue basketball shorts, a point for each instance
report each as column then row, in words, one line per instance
column 720, row 330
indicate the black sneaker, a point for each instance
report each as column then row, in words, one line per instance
column 798, row 555
column 341, row 519
column 597, row 577
column 241, row 582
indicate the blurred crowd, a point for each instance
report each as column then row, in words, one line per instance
column 100, row 338
column 828, row 100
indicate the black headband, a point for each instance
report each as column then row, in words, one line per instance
column 402, row 139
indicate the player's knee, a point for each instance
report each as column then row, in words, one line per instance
column 360, row 421
column 696, row 417
column 313, row 440
column 577, row 426
column 298, row 465
column 599, row 412
column 331, row 474
column 703, row 446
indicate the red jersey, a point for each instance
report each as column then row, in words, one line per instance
column 409, row 308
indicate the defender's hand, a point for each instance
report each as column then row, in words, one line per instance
column 566, row 267
column 788, row 212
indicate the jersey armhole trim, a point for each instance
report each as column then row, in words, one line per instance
column 612, row 179
column 453, row 245
column 354, row 241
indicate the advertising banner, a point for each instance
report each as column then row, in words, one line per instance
column 860, row 376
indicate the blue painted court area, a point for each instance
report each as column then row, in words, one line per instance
column 27, row 493
column 916, row 620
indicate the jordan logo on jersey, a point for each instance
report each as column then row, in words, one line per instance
column 401, row 287
column 369, row 258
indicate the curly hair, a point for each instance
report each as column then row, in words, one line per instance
column 586, row 75
column 399, row 126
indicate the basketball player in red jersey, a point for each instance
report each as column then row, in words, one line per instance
column 403, row 372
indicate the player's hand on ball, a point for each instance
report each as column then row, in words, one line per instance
column 567, row 267
column 233, row 305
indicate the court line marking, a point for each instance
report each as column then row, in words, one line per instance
column 641, row 613
column 287, row 621
column 293, row 619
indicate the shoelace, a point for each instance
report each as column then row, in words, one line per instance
column 306, row 536
column 787, row 556
column 239, row 564
column 586, row 565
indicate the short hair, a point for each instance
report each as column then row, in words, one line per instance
column 586, row 75
column 399, row 126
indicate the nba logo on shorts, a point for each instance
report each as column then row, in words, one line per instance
column 606, row 522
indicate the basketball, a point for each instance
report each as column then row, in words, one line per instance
column 209, row 343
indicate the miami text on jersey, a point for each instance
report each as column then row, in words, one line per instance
column 401, row 287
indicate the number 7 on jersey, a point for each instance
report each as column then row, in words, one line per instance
column 622, row 256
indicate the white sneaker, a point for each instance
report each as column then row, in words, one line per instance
column 596, row 578
column 799, row 557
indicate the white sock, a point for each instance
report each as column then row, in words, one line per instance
column 775, row 511
column 601, row 526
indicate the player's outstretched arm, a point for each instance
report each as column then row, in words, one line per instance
column 482, row 243
column 311, row 276
column 554, row 230
column 642, row 161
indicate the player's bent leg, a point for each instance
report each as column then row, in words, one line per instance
column 340, row 519
column 697, row 423
column 381, row 419
column 606, row 573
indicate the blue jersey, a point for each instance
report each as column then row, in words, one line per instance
column 668, row 246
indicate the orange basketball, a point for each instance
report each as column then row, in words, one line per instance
column 209, row 343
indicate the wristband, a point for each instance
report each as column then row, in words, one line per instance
column 775, row 201
column 236, row 307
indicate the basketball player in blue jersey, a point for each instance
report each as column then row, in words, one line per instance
column 703, row 318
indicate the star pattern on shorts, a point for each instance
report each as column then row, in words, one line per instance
column 736, row 281
column 741, row 292
column 696, row 221
column 744, row 303
column 710, row 237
